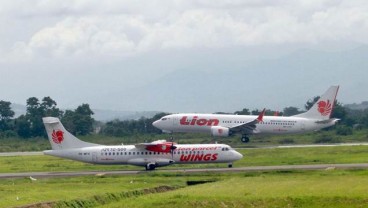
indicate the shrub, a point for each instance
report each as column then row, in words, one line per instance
column 344, row 130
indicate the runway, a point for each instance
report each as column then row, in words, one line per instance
column 211, row 170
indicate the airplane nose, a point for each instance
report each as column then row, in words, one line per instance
column 237, row 155
column 155, row 123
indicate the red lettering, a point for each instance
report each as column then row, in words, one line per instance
column 207, row 157
column 213, row 122
column 183, row 121
column 193, row 120
column 191, row 158
column 199, row 122
column 199, row 157
column 184, row 158
column 214, row 157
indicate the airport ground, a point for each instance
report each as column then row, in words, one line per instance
column 320, row 137
column 330, row 187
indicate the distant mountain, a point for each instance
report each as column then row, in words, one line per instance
column 273, row 83
column 99, row 115
column 361, row 106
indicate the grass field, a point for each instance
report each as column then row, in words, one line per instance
column 325, row 188
column 39, row 144
column 14, row 192
column 252, row 157
column 273, row 189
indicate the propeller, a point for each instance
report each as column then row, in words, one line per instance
column 172, row 148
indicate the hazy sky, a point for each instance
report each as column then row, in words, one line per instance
column 86, row 51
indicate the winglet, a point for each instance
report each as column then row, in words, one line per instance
column 260, row 116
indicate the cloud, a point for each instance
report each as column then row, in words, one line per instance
column 125, row 28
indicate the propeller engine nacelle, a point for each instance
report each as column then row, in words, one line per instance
column 220, row 131
column 165, row 147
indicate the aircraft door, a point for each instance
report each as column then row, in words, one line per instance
column 94, row 156
column 175, row 121
column 302, row 125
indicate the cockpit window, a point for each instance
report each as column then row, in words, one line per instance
column 163, row 119
column 225, row 149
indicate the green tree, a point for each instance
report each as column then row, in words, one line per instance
column 34, row 116
column 311, row 102
column 245, row 111
column 255, row 112
column 6, row 114
column 23, row 127
column 131, row 127
column 290, row 111
column 79, row 121
column 49, row 108
column 339, row 111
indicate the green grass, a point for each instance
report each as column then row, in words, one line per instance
column 39, row 144
column 273, row 189
column 333, row 188
column 64, row 189
column 324, row 188
column 252, row 157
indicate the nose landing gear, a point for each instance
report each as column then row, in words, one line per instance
column 245, row 138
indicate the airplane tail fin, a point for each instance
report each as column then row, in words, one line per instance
column 322, row 109
column 60, row 138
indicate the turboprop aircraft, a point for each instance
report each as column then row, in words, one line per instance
column 149, row 155
column 221, row 125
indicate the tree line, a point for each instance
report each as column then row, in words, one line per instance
column 78, row 121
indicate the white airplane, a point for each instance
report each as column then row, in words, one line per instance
column 149, row 155
column 316, row 118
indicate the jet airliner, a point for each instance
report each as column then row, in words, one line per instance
column 315, row 118
column 148, row 155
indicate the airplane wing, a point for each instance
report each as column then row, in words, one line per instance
column 248, row 128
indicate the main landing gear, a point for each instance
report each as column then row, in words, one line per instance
column 245, row 138
column 230, row 165
column 150, row 166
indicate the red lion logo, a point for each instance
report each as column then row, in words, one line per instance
column 57, row 136
column 324, row 107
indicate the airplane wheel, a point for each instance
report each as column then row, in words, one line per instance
column 150, row 167
column 230, row 165
column 245, row 139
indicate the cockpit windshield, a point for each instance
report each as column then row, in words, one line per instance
column 225, row 149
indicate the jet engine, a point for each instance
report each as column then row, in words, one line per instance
column 220, row 131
